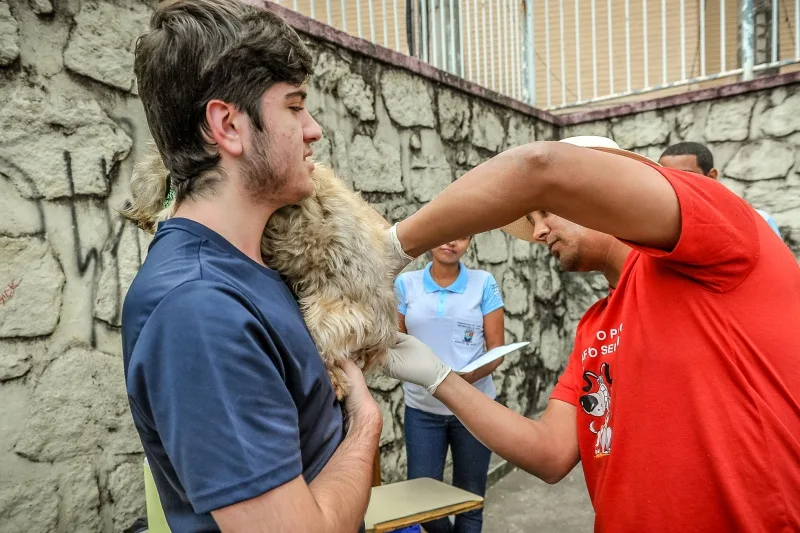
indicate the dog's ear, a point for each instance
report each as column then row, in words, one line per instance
column 588, row 381
column 604, row 369
column 149, row 186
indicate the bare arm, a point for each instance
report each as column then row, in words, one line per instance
column 546, row 448
column 401, row 322
column 494, row 328
column 336, row 500
column 493, row 331
column 605, row 192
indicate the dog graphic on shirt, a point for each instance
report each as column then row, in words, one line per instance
column 598, row 403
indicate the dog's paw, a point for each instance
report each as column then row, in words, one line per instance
column 341, row 385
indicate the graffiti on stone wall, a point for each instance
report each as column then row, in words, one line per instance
column 97, row 261
column 8, row 293
column 77, row 406
column 82, row 261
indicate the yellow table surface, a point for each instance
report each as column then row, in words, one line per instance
column 411, row 502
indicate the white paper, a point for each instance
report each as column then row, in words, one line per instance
column 491, row 355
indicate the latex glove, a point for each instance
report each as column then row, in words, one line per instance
column 412, row 361
column 400, row 259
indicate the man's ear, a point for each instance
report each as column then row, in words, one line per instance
column 713, row 174
column 224, row 127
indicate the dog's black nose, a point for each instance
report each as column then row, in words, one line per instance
column 588, row 402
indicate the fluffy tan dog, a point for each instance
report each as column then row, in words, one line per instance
column 331, row 249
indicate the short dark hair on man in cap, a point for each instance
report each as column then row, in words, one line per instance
column 704, row 158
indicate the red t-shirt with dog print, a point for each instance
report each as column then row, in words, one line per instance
column 686, row 378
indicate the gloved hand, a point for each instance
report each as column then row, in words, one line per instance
column 400, row 259
column 411, row 360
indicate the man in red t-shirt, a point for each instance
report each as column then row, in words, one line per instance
column 681, row 398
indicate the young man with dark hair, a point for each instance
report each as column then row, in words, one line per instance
column 696, row 158
column 236, row 413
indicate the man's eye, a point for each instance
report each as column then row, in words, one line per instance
column 297, row 108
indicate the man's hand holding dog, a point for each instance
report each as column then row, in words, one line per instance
column 360, row 407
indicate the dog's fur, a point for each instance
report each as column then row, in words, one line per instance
column 331, row 249
column 333, row 252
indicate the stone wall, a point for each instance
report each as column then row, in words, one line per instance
column 71, row 127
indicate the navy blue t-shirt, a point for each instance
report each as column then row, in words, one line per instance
column 227, row 389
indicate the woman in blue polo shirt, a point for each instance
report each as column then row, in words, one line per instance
column 458, row 313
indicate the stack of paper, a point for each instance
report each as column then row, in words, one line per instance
column 491, row 355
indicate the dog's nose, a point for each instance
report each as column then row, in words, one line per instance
column 588, row 402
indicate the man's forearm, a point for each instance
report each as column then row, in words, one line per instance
column 489, row 196
column 342, row 489
column 482, row 372
column 526, row 443
column 608, row 193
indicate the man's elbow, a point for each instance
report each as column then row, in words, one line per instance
column 551, row 478
column 550, row 475
column 539, row 159
column 539, row 154
column 554, row 469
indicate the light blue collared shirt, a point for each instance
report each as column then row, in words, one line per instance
column 449, row 320
column 770, row 221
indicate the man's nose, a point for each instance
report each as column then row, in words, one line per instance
column 312, row 132
column 540, row 231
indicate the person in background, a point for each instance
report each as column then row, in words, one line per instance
column 695, row 157
column 457, row 312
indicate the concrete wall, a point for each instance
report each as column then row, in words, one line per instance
column 71, row 127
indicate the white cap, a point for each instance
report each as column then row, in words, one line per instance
column 591, row 141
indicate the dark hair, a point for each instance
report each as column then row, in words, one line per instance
column 704, row 158
column 200, row 50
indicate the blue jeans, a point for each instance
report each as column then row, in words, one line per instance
column 427, row 439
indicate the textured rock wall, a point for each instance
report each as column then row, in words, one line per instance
column 755, row 139
column 71, row 127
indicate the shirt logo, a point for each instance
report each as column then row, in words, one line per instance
column 597, row 402
column 468, row 334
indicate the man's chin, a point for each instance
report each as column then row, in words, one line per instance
column 302, row 192
column 567, row 264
